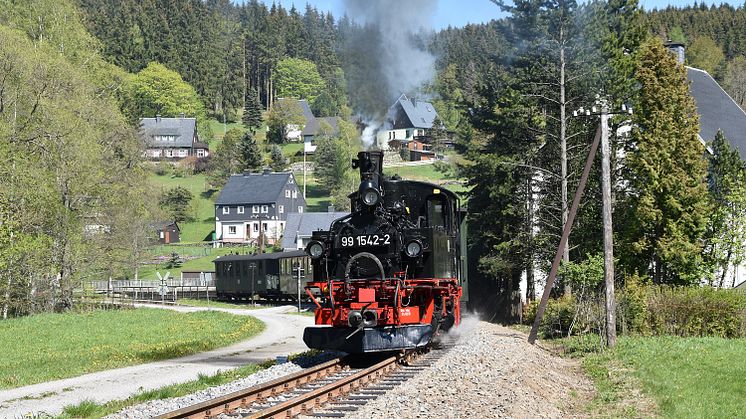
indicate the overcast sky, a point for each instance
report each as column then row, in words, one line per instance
column 456, row 12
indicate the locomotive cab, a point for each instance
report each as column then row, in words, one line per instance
column 388, row 273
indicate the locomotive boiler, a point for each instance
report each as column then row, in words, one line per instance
column 387, row 276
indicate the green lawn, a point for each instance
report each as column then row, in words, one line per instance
column 203, row 207
column 203, row 259
column 48, row 347
column 686, row 377
column 215, row 304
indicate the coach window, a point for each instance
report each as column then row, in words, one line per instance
column 436, row 216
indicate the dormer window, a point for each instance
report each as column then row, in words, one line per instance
column 226, row 210
column 255, row 209
column 265, row 209
column 240, row 210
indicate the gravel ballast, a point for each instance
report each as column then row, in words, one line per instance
column 491, row 372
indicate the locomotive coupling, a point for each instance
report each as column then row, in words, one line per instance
column 365, row 318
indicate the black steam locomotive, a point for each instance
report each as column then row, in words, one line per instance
column 389, row 274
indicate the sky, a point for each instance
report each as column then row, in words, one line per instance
column 460, row 12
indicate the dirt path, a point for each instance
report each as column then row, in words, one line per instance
column 282, row 336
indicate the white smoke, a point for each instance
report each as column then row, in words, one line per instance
column 369, row 137
column 405, row 64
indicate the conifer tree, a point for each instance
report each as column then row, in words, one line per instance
column 252, row 111
column 667, row 202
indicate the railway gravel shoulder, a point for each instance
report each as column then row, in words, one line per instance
column 491, row 372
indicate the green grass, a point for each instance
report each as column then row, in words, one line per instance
column 203, row 207
column 48, row 347
column 202, row 263
column 218, row 131
column 291, row 149
column 90, row 409
column 686, row 377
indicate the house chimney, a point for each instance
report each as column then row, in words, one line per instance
column 678, row 50
column 266, row 171
column 247, row 173
column 158, row 118
column 181, row 115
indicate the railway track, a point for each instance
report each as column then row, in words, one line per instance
column 333, row 389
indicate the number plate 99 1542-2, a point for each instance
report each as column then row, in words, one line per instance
column 366, row 240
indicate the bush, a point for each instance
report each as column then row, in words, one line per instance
column 558, row 316
column 162, row 168
column 695, row 311
column 632, row 307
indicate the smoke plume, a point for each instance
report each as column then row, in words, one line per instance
column 389, row 53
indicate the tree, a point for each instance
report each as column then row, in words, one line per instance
column 725, row 244
column 666, row 200
column 279, row 161
column 251, row 157
column 156, row 90
column 735, row 80
column 705, row 54
column 177, row 202
column 252, row 111
column 284, row 115
column 298, row 79
column 332, row 169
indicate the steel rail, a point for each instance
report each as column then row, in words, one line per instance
column 242, row 398
column 307, row 402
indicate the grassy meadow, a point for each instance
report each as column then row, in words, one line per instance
column 48, row 347
column 680, row 377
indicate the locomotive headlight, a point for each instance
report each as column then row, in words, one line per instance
column 413, row 248
column 369, row 193
column 315, row 249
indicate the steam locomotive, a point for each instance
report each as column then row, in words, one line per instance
column 387, row 276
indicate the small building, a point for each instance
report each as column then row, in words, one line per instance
column 166, row 232
column 254, row 204
column 410, row 120
column 295, row 131
column 328, row 125
column 300, row 226
column 171, row 138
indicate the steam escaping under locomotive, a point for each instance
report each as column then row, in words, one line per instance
column 387, row 276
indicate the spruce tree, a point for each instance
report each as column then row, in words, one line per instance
column 667, row 200
column 252, row 112
column 251, row 157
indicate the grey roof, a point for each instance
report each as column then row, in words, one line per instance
column 161, row 225
column 303, row 105
column 314, row 126
column 420, row 113
column 261, row 256
column 717, row 110
column 253, row 188
column 185, row 130
column 303, row 224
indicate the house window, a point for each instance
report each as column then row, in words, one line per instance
column 265, row 209
column 295, row 194
column 182, row 153
column 282, row 209
column 231, row 229
column 240, row 210
column 291, row 180
column 200, row 152
column 163, row 235
column 226, row 210
column 264, row 226
column 300, row 209
column 287, row 193
column 169, row 153
column 255, row 209
column 256, row 226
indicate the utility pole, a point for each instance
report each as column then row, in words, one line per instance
column 606, row 211
column 608, row 230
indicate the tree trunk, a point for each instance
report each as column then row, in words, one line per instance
column 563, row 151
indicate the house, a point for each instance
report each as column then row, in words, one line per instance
column 171, row 138
column 300, row 226
column 409, row 123
column 254, row 204
column 295, row 131
column 166, row 231
column 327, row 125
